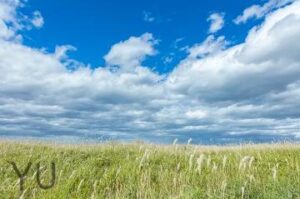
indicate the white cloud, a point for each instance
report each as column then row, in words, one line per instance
column 224, row 93
column 37, row 20
column 130, row 53
column 257, row 11
column 210, row 46
column 12, row 22
column 216, row 22
column 267, row 54
column 8, row 22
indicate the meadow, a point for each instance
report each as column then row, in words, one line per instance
column 137, row 170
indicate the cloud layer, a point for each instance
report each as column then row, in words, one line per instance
column 250, row 91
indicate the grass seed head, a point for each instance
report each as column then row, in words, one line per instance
column 224, row 161
column 200, row 162
column 191, row 161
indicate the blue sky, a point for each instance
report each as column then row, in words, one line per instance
column 94, row 26
column 217, row 72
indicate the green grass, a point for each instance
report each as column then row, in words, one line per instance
column 151, row 171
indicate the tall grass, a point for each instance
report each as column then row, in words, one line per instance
column 152, row 171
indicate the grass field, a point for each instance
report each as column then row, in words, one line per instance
column 116, row 170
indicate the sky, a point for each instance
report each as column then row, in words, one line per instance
column 158, row 71
column 94, row 26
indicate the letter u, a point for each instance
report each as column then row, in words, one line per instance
column 38, row 174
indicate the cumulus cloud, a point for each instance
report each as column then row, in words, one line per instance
column 130, row 53
column 260, row 59
column 258, row 11
column 248, row 74
column 216, row 22
column 218, row 93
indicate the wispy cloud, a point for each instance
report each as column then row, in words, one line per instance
column 259, row 11
column 37, row 19
column 216, row 22
column 148, row 16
